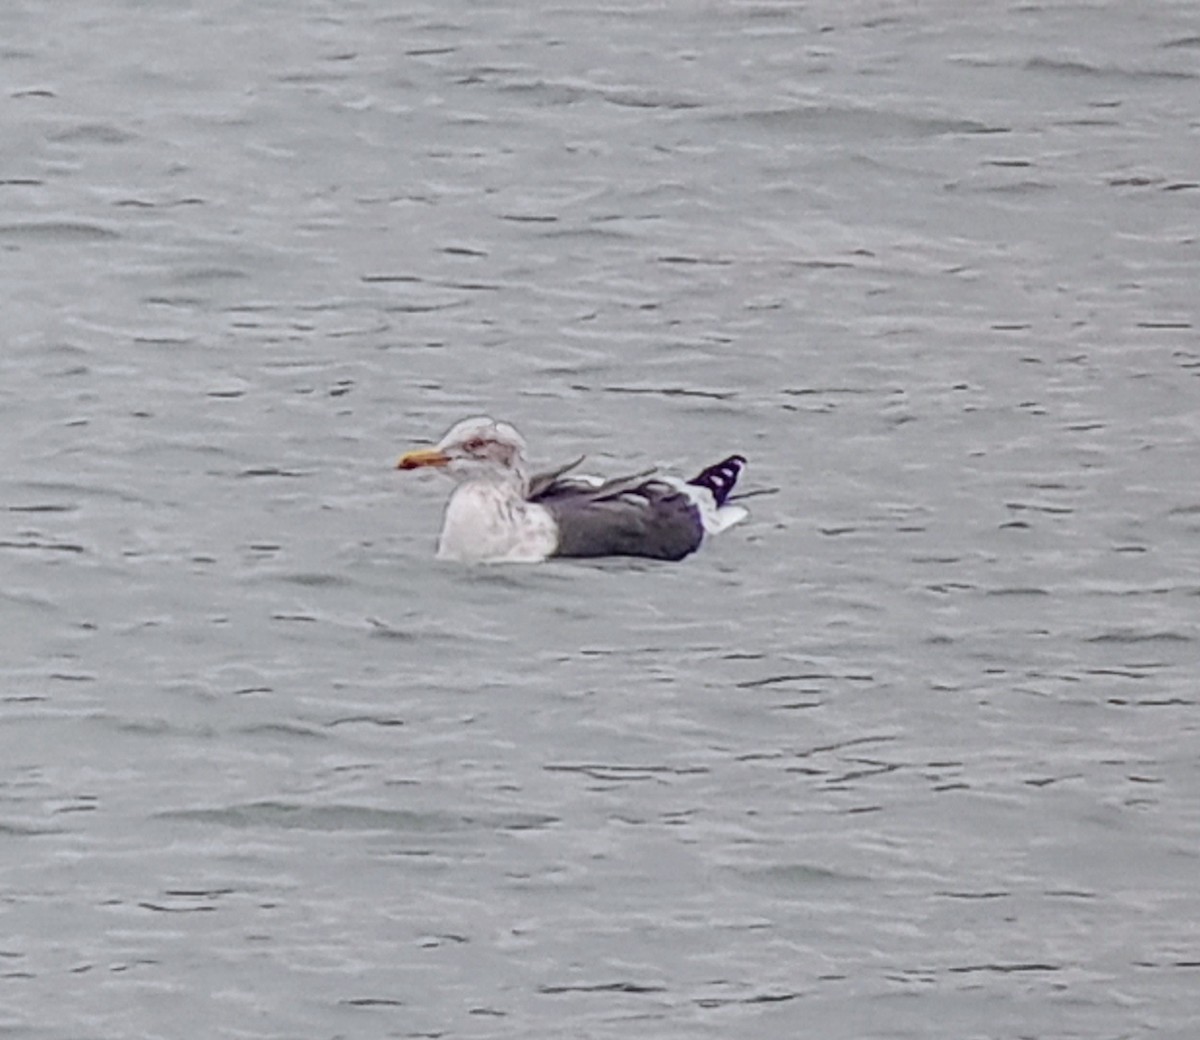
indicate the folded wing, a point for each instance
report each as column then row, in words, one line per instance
column 629, row 516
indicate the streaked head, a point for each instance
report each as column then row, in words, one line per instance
column 475, row 448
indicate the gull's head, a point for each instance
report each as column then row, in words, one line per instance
column 479, row 448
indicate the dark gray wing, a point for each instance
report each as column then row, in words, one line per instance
column 629, row 516
column 540, row 483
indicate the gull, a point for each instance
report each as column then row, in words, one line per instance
column 500, row 513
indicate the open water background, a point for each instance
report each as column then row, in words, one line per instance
column 914, row 753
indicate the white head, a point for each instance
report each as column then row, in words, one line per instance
column 478, row 448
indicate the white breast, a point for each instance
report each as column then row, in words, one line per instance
column 489, row 523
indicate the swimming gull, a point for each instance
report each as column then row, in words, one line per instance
column 501, row 513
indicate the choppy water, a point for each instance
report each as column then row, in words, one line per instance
column 912, row 754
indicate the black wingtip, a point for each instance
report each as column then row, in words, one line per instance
column 721, row 478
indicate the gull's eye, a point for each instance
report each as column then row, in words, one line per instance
column 474, row 445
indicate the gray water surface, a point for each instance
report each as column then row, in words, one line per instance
column 912, row 753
